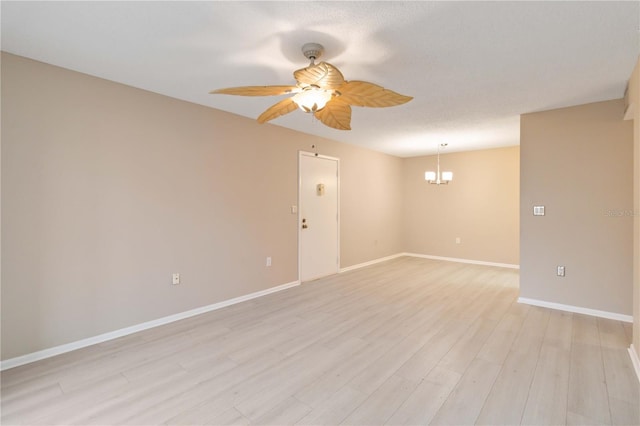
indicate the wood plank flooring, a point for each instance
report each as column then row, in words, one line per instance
column 408, row 341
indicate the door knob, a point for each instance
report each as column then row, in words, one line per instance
column 304, row 224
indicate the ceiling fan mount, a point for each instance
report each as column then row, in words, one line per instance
column 312, row 51
column 321, row 90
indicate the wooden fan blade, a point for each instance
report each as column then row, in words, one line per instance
column 323, row 74
column 283, row 107
column 336, row 114
column 256, row 90
column 362, row 93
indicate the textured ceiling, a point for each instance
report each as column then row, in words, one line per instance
column 472, row 67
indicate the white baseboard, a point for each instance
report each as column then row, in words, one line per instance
column 57, row 350
column 454, row 259
column 371, row 262
column 428, row 256
column 576, row 309
column 635, row 360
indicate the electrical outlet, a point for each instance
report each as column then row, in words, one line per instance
column 176, row 279
column 458, row 240
column 269, row 261
column 560, row 271
column 538, row 210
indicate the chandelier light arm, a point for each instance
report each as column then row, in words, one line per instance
column 438, row 169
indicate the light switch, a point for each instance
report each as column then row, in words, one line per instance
column 294, row 209
column 538, row 210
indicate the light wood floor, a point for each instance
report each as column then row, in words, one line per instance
column 409, row 341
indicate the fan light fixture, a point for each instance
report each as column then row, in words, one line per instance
column 321, row 90
column 438, row 178
column 312, row 99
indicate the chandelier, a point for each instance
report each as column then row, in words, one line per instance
column 437, row 177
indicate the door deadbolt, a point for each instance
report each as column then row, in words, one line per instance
column 304, row 224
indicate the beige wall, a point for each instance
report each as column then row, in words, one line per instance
column 107, row 190
column 633, row 104
column 578, row 163
column 480, row 206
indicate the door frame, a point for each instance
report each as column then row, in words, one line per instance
column 299, row 216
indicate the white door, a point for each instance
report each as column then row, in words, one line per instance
column 318, row 219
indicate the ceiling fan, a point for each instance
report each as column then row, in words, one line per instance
column 321, row 90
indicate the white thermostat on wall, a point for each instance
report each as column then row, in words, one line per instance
column 538, row 210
